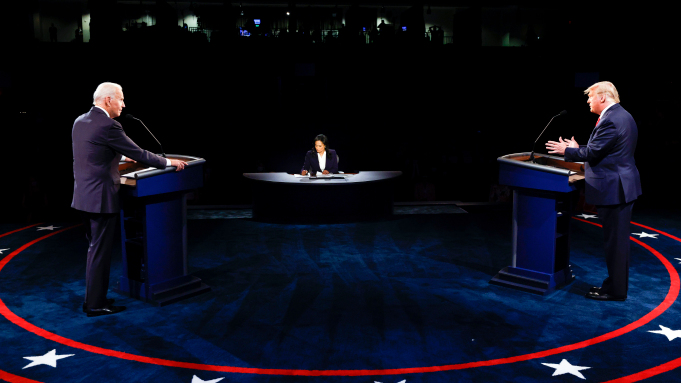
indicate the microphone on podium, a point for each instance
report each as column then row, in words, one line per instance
column 542, row 132
column 130, row 117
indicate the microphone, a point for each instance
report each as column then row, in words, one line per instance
column 542, row 132
column 130, row 117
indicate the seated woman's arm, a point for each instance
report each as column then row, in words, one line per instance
column 306, row 166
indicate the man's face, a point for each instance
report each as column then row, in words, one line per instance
column 596, row 101
column 116, row 105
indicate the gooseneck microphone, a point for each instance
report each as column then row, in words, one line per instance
column 542, row 132
column 130, row 117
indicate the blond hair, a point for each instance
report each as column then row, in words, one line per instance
column 605, row 87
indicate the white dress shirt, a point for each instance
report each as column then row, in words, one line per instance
column 606, row 108
column 322, row 160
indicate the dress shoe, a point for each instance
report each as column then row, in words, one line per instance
column 104, row 311
column 109, row 302
column 605, row 297
column 595, row 290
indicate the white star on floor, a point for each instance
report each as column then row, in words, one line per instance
column 669, row 333
column 51, row 227
column 679, row 259
column 196, row 379
column 404, row 381
column 1, row 250
column 587, row 216
column 643, row 234
column 566, row 368
column 49, row 359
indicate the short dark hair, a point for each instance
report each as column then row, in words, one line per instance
column 323, row 139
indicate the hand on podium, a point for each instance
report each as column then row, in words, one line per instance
column 178, row 164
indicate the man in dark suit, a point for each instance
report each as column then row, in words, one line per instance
column 98, row 142
column 612, row 182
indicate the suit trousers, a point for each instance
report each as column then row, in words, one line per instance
column 616, row 229
column 100, row 229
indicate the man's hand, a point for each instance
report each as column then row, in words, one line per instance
column 325, row 172
column 304, row 172
column 178, row 164
column 559, row 147
column 128, row 159
column 573, row 143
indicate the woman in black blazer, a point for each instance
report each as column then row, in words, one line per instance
column 320, row 159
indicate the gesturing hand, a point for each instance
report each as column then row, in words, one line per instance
column 559, row 147
column 573, row 143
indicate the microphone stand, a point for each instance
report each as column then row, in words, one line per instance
column 152, row 134
column 542, row 132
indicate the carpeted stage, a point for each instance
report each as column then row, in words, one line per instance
column 402, row 300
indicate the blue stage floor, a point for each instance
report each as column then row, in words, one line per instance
column 406, row 299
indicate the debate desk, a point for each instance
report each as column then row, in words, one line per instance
column 154, row 231
column 292, row 198
column 543, row 195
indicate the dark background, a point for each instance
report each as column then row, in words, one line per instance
column 441, row 114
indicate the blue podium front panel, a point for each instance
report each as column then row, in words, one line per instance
column 165, row 229
column 535, row 228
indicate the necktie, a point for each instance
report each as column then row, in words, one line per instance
column 599, row 120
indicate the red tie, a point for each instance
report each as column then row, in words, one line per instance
column 599, row 120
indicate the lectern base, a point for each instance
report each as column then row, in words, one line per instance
column 162, row 294
column 532, row 281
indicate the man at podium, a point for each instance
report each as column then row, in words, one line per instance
column 612, row 181
column 98, row 142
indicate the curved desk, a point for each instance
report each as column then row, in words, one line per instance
column 282, row 197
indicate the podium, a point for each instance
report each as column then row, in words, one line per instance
column 154, row 231
column 542, row 208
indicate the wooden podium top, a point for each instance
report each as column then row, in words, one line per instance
column 547, row 163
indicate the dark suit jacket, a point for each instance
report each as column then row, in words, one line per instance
column 98, row 142
column 312, row 161
column 611, row 174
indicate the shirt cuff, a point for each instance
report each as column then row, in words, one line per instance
column 168, row 163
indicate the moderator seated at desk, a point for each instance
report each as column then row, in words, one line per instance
column 320, row 159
